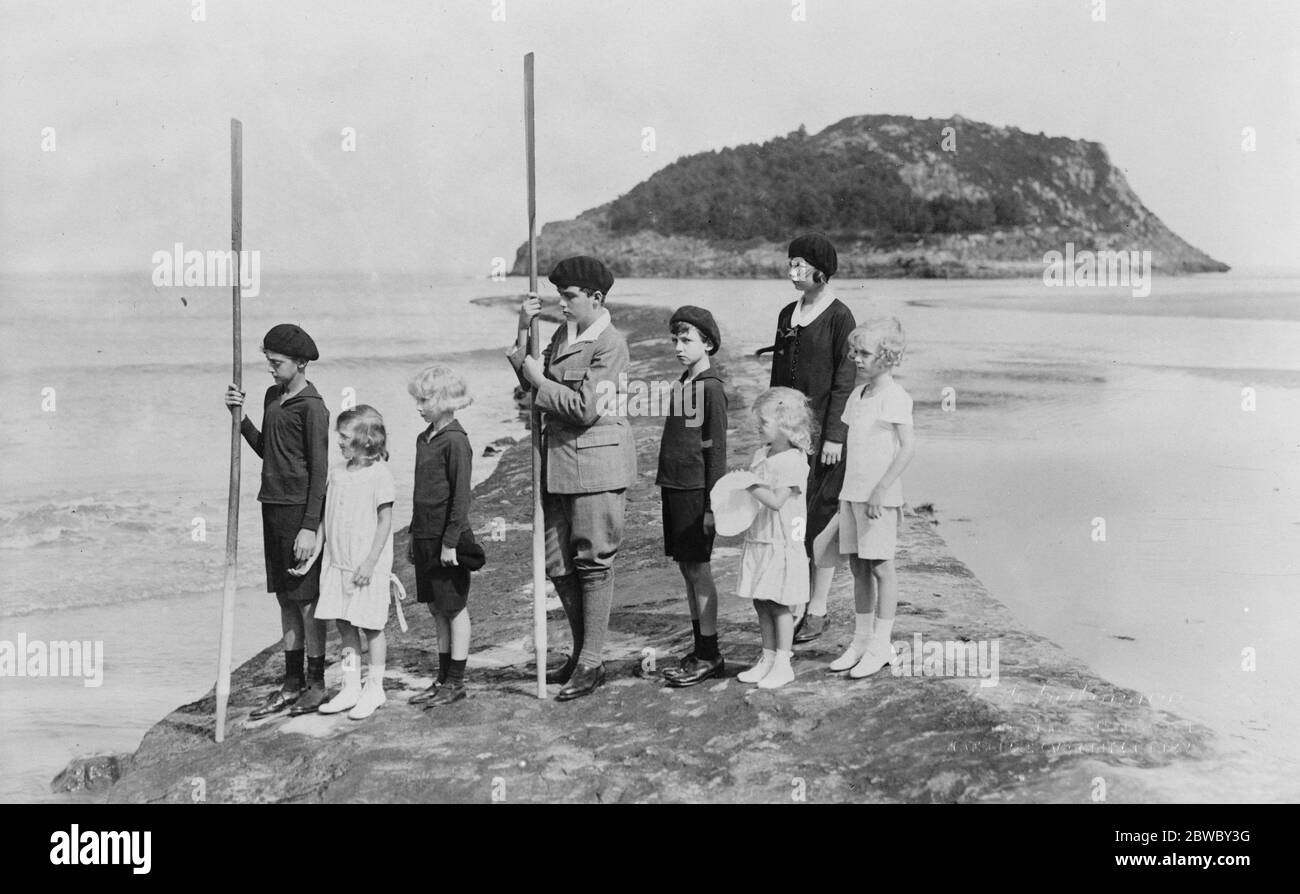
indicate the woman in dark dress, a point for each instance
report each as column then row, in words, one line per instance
column 811, row 355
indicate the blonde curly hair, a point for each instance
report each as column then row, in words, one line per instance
column 792, row 414
column 441, row 385
column 882, row 336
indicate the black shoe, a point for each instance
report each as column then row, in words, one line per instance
column 312, row 698
column 562, row 673
column 583, row 682
column 276, row 702
column 446, row 695
column 424, row 695
column 813, row 627
column 694, row 670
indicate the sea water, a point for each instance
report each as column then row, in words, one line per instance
column 114, row 467
column 1173, row 420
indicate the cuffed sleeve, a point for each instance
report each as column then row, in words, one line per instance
column 460, row 459
column 714, row 440
column 251, row 435
column 842, row 383
column 316, row 443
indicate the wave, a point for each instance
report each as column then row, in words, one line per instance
column 72, row 521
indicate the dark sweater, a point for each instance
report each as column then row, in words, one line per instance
column 814, row 359
column 695, row 456
column 442, row 476
column 294, row 447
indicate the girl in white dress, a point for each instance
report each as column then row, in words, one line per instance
column 774, row 563
column 359, row 557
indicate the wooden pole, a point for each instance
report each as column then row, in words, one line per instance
column 236, row 416
column 534, row 349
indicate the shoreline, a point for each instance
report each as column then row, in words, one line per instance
column 1045, row 732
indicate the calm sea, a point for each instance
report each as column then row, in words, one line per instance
column 1171, row 423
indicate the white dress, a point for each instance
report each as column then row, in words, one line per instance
column 352, row 501
column 774, row 563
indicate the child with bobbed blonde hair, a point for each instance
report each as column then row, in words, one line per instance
column 359, row 557
column 439, row 521
column 774, row 564
column 880, row 446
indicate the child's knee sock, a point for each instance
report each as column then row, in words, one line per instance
column 293, row 678
column 707, row 648
column 316, row 670
column 456, row 672
column 444, row 666
column 569, row 590
column 695, row 631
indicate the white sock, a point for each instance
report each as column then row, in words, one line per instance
column 781, row 672
column 884, row 628
column 376, row 676
column 759, row 670
column 351, row 669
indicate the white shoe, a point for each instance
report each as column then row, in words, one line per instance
column 852, row 655
column 759, row 670
column 346, row 698
column 878, row 655
column 372, row 699
column 780, row 674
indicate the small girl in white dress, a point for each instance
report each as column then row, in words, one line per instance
column 774, row 564
column 354, row 581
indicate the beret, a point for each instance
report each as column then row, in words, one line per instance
column 291, row 341
column 468, row 553
column 817, row 250
column 702, row 320
column 584, row 272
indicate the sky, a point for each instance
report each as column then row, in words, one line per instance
column 139, row 95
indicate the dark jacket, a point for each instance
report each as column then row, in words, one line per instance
column 693, row 456
column 814, row 359
column 294, row 447
column 442, row 485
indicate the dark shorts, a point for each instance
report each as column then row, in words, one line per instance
column 280, row 527
column 445, row 586
column 684, row 537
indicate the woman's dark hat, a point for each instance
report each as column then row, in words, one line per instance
column 702, row 320
column 291, row 341
column 817, row 250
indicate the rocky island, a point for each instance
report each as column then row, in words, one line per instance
column 899, row 196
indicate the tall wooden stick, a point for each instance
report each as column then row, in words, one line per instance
column 534, row 349
column 236, row 416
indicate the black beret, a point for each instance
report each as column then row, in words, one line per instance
column 817, row 250
column 291, row 341
column 702, row 320
column 583, row 272
column 468, row 553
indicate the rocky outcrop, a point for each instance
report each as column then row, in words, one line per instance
column 900, row 196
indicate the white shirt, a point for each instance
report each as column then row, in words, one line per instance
column 872, row 443
column 592, row 332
